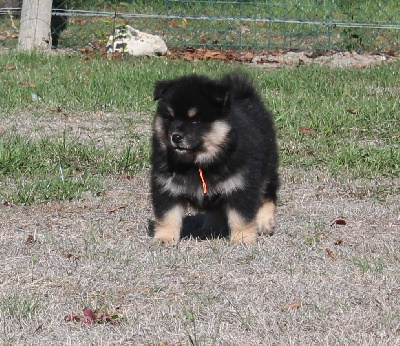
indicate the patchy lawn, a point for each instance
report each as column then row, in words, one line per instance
column 329, row 275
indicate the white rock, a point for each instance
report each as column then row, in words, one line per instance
column 135, row 42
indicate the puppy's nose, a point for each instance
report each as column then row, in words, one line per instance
column 177, row 138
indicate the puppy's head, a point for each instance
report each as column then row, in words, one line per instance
column 191, row 119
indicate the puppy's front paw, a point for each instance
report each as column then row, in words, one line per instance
column 266, row 219
column 164, row 241
column 241, row 230
column 247, row 236
column 167, row 230
column 266, row 226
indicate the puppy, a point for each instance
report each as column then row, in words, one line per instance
column 214, row 148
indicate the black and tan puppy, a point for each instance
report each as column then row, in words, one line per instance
column 214, row 148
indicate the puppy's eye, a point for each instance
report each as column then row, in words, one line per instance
column 166, row 117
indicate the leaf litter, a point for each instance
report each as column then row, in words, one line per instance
column 95, row 317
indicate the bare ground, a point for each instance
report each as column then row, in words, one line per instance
column 59, row 257
column 338, row 59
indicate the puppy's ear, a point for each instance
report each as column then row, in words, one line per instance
column 160, row 88
column 219, row 93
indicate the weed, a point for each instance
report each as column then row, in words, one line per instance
column 20, row 307
column 368, row 265
column 312, row 240
column 192, row 330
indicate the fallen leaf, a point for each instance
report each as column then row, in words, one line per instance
column 352, row 111
column 8, row 204
column 125, row 176
column 191, row 54
column 72, row 317
column 9, row 67
column 338, row 242
column 113, row 209
column 90, row 317
column 330, row 254
column 30, row 239
column 115, row 55
column 57, row 110
column 232, row 55
column 172, row 24
column 307, row 130
column 294, row 305
column 211, row 54
column 339, row 222
column 269, row 61
column 310, row 152
column 277, row 52
column 244, row 29
column 71, row 256
column 95, row 317
column 248, row 56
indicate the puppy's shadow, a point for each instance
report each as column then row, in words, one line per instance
column 192, row 228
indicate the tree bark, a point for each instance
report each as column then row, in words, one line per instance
column 34, row 32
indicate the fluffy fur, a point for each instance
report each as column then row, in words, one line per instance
column 221, row 129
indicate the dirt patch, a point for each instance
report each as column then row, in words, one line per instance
column 341, row 59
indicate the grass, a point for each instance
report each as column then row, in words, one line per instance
column 20, row 307
column 351, row 117
column 60, row 168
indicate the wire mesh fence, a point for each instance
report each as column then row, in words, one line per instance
column 257, row 25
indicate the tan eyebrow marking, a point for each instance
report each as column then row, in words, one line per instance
column 192, row 112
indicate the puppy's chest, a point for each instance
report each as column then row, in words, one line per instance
column 202, row 187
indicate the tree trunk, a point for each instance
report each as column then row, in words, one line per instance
column 34, row 32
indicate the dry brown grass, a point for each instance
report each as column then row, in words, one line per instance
column 60, row 257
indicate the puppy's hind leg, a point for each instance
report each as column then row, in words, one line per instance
column 168, row 229
column 214, row 222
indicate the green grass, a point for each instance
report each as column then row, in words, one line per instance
column 61, row 168
column 61, row 165
column 366, row 143
column 20, row 306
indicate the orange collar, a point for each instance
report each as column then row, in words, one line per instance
column 203, row 182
